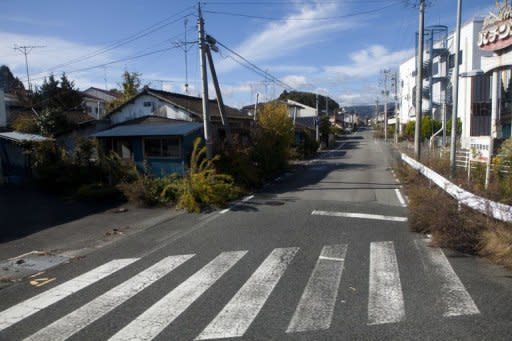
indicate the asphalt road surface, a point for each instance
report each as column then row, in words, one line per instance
column 322, row 253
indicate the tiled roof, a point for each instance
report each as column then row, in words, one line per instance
column 162, row 129
column 189, row 103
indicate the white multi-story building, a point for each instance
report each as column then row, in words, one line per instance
column 474, row 102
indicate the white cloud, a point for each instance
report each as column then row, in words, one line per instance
column 56, row 51
column 368, row 62
column 291, row 68
column 295, row 81
column 281, row 38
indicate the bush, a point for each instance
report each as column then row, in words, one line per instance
column 26, row 124
column 273, row 139
column 496, row 244
column 202, row 186
column 147, row 191
column 308, row 147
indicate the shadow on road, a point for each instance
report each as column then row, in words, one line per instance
column 24, row 211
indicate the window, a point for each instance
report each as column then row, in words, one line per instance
column 147, row 104
column 451, row 60
column 167, row 147
column 435, row 68
column 89, row 109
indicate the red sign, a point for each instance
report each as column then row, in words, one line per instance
column 496, row 33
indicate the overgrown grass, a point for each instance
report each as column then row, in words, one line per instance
column 432, row 211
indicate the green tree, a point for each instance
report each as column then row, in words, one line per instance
column 131, row 86
column 273, row 138
column 309, row 99
column 324, row 129
column 9, row 83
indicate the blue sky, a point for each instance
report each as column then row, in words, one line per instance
column 331, row 47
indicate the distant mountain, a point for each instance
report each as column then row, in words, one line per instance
column 368, row 110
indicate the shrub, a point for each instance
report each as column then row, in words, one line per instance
column 26, row 124
column 273, row 139
column 308, row 147
column 147, row 191
column 496, row 244
column 203, row 186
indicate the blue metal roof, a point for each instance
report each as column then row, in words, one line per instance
column 160, row 129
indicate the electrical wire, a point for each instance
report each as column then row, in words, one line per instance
column 375, row 10
column 148, row 30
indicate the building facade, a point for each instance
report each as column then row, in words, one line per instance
column 474, row 100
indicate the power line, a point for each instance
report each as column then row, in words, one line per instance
column 255, row 68
column 119, row 60
column 304, row 19
column 142, row 33
column 25, row 50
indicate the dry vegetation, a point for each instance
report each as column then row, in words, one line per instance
column 433, row 212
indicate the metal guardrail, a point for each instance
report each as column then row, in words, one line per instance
column 485, row 206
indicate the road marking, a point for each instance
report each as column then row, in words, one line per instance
column 236, row 317
column 39, row 282
column 151, row 322
column 359, row 215
column 316, row 306
column 70, row 324
column 400, row 197
column 246, row 199
column 455, row 299
column 31, row 306
column 385, row 298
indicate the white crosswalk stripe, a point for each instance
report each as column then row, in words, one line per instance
column 150, row 323
column 385, row 298
column 454, row 296
column 92, row 311
column 316, row 306
column 39, row 302
column 238, row 314
column 314, row 311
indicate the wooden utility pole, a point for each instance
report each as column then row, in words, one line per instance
column 204, row 80
column 419, row 83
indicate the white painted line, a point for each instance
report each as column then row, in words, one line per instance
column 400, row 197
column 316, row 306
column 236, row 317
column 359, row 215
column 70, row 324
column 385, row 297
column 31, row 306
column 25, row 254
column 455, row 299
column 155, row 319
column 246, row 199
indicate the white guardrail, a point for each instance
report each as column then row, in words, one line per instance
column 491, row 208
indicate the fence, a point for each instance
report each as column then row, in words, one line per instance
column 485, row 206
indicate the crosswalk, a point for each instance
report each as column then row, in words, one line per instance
column 314, row 311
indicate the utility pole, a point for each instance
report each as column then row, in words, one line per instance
column 256, row 105
column 25, row 50
column 419, row 83
column 317, row 126
column 204, row 80
column 453, row 137
column 377, row 112
column 394, row 87
column 386, row 73
column 186, row 57
column 220, row 101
